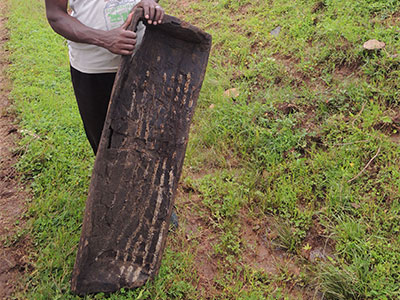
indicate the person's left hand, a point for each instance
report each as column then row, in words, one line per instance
column 153, row 12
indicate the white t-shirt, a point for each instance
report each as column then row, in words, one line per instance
column 104, row 15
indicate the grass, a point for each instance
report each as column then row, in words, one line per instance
column 313, row 109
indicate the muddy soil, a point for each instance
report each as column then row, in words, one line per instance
column 12, row 195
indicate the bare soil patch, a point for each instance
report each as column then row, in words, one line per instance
column 344, row 71
column 196, row 229
column 263, row 255
column 259, row 253
column 13, row 259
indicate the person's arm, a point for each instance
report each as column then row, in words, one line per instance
column 118, row 41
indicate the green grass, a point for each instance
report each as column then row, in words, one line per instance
column 313, row 109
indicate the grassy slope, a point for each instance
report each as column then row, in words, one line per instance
column 313, row 109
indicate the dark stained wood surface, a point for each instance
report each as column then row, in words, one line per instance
column 140, row 158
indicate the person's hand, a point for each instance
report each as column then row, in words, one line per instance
column 153, row 12
column 120, row 40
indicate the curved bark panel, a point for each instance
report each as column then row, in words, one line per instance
column 140, row 158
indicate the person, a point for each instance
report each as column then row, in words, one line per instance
column 97, row 36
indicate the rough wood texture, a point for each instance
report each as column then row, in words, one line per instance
column 140, row 158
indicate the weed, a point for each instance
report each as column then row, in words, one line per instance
column 286, row 238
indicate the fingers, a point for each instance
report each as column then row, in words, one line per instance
column 128, row 42
column 128, row 21
column 159, row 15
column 124, row 42
column 128, row 34
column 119, row 41
column 126, row 48
column 146, row 11
column 151, row 14
column 125, row 52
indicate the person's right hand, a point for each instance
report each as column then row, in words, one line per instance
column 120, row 40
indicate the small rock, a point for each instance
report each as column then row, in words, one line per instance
column 374, row 45
column 276, row 31
column 232, row 93
column 317, row 254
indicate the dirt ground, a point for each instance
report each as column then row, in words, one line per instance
column 12, row 194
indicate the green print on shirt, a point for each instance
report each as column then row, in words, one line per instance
column 116, row 13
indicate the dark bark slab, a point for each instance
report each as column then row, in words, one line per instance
column 140, row 158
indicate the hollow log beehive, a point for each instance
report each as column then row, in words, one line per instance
column 140, row 158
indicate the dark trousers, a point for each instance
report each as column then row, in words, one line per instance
column 92, row 92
